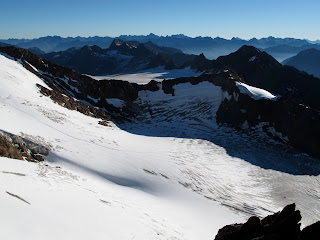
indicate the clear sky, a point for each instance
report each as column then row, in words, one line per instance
column 223, row 18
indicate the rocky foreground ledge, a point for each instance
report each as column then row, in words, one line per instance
column 282, row 225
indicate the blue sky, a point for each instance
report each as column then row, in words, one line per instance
column 224, row 18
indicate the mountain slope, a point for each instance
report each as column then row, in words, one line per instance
column 308, row 61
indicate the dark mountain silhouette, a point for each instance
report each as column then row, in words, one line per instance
column 56, row 43
column 307, row 60
column 125, row 56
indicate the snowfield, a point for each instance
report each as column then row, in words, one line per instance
column 139, row 180
column 157, row 74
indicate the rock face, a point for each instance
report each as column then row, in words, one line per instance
column 282, row 225
column 285, row 120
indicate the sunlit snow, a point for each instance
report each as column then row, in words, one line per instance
column 255, row 93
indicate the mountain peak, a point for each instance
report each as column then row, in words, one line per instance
column 152, row 35
column 249, row 54
column 91, row 48
column 247, row 49
column 179, row 36
column 120, row 44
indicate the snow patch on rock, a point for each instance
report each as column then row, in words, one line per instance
column 255, row 93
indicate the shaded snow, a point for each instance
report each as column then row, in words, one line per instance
column 115, row 102
column 255, row 93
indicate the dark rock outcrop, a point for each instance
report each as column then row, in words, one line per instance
column 282, row 225
column 72, row 104
column 311, row 232
column 13, row 146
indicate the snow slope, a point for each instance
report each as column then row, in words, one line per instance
column 106, row 183
column 111, row 184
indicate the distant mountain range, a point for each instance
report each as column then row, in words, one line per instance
column 56, row 43
column 307, row 60
column 279, row 48
column 124, row 56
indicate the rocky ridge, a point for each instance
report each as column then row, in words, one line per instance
column 281, row 225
